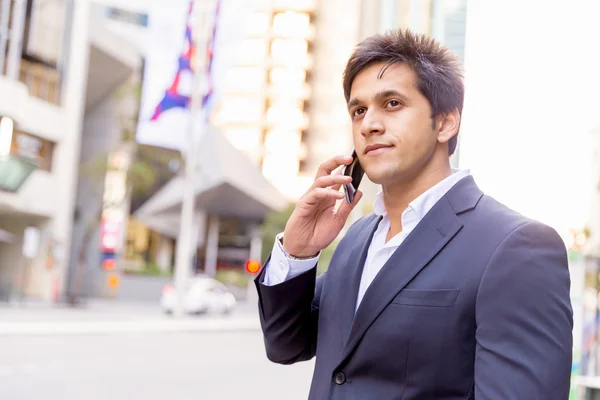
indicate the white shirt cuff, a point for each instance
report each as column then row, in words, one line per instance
column 282, row 268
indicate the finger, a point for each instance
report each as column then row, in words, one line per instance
column 319, row 194
column 330, row 165
column 331, row 180
column 345, row 208
column 340, row 172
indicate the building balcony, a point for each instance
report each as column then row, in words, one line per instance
column 43, row 82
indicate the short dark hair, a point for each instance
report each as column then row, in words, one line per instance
column 439, row 72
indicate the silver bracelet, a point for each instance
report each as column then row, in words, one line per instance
column 291, row 257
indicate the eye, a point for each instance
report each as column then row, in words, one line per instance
column 358, row 112
column 393, row 103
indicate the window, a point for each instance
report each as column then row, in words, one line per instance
column 288, row 115
column 45, row 23
column 291, row 24
column 251, row 52
column 289, row 78
column 245, row 79
column 278, row 140
column 289, row 51
column 129, row 17
column 258, row 24
column 304, row 5
column 44, row 31
column 239, row 109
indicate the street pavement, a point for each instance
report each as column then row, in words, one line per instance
column 114, row 317
column 132, row 351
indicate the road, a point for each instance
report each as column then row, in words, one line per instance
column 126, row 366
column 130, row 351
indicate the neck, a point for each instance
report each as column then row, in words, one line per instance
column 398, row 195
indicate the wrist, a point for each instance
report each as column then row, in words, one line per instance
column 299, row 254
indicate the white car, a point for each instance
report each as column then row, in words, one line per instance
column 203, row 295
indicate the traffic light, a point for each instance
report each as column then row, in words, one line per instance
column 252, row 266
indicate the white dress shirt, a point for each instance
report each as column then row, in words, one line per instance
column 282, row 268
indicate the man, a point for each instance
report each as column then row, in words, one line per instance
column 442, row 293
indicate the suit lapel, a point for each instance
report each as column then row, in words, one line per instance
column 350, row 274
column 436, row 229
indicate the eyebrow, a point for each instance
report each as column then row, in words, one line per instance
column 378, row 96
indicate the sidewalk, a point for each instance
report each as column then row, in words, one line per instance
column 106, row 317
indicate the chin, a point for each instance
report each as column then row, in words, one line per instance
column 380, row 177
column 386, row 174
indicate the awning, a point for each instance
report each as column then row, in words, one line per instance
column 14, row 171
column 229, row 185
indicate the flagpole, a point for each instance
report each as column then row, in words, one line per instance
column 196, row 127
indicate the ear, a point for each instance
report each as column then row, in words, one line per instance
column 447, row 125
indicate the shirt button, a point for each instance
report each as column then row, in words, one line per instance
column 340, row 378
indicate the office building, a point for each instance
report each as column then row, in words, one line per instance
column 45, row 49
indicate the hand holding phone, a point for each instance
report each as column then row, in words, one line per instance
column 355, row 171
column 316, row 221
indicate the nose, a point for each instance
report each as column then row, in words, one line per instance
column 371, row 124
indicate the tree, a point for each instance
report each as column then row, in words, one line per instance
column 275, row 223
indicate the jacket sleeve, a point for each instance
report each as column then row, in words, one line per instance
column 281, row 268
column 524, row 319
column 289, row 314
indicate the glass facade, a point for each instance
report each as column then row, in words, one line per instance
column 263, row 107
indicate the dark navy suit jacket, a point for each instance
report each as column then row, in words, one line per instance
column 474, row 304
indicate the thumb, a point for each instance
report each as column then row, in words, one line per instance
column 345, row 208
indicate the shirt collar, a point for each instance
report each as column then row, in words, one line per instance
column 420, row 206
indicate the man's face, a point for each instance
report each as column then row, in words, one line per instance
column 392, row 127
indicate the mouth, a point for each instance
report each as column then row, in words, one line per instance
column 376, row 148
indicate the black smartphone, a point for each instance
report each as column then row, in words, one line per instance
column 355, row 171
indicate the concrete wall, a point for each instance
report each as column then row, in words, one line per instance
column 101, row 134
column 51, row 195
column 67, row 154
column 32, row 277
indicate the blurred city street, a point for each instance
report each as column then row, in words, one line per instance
column 199, row 358
column 151, row 149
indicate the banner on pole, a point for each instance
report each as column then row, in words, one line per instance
column 169, row 66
